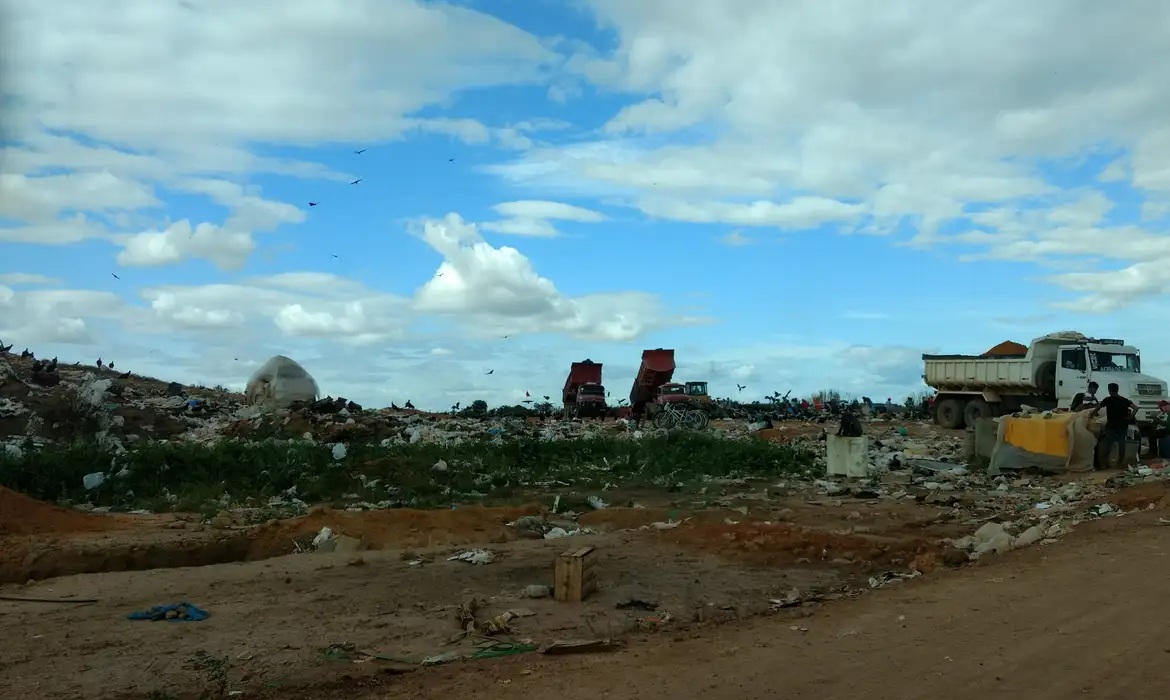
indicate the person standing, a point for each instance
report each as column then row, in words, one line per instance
column 1086, row 400
column 1161, row 429
column 1119, row 413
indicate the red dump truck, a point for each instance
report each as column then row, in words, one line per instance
column 653, row 386
column 584, row 395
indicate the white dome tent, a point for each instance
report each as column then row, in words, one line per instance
column 279, row 382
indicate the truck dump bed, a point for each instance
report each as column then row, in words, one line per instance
column 966, row 372
column 657, row 368
column 587, row 372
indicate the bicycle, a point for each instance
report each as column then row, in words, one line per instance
column 671, row 416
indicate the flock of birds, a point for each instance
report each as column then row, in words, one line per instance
column 50, row 366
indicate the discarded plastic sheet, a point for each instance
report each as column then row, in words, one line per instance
column 474, row 556
column 178, row 612
column 887, row 577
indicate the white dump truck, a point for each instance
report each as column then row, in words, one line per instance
column 1049, row 375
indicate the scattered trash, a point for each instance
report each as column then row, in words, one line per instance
column 887, row 577
column 636, row 604
column 474, row 556
column 794, row 599
column 537, row 591
column 92, row 481
column 654, row 622
column 322, row 538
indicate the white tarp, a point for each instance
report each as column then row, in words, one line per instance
column 279, row 382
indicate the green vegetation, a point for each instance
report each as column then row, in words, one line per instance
column 160, row 476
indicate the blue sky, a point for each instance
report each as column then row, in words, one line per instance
column 744, row 192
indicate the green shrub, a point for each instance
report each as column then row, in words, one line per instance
column 158, row 475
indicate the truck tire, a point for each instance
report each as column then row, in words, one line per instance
column 949, row 414
column 1045, row 378
column 975, row 410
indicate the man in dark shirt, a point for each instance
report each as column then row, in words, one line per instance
column 1119, row 412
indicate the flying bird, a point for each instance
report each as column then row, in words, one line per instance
column 335, row 255
column 450, row 160
column 358, row 153
column 491, row 371
column 312, row 204
column 357, row 181
column 507, row 336
column 547, row 398
column 741, row 387
column 115, row 276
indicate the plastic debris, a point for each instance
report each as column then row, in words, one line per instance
column 474, row 556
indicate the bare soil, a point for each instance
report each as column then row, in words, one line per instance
column 1077, row 618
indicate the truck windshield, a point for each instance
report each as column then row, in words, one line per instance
column 1114, row 362
column 673, row 389
column 697, row 389
column 592, row 390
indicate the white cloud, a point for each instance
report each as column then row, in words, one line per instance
column 533, row 218
column 299, row 72
column 27, row 279
column 799, row 213
column 500, row 289
column 876, row 119
column 315, row 71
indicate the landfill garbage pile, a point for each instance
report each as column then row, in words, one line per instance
column 118, row 410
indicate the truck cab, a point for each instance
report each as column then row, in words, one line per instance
column 1107, row 362
column 672, row 392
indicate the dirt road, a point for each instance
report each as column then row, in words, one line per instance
column 1082, row 618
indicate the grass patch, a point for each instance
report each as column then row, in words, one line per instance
column 160, row 476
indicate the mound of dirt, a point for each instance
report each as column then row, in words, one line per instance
column 388, row 529
column 771, row 544
column 21, row 515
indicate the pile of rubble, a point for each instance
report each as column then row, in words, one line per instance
column 119, row 410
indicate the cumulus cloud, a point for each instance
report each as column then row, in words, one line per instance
column 499, row 288
column 534, row 218
column 878, row 120
column 81, row 159
column 905, row 120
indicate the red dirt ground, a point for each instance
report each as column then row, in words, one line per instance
column 21, row 515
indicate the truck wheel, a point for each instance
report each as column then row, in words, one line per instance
column 1045, row 378
column 949, row 414
column 975, row 410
